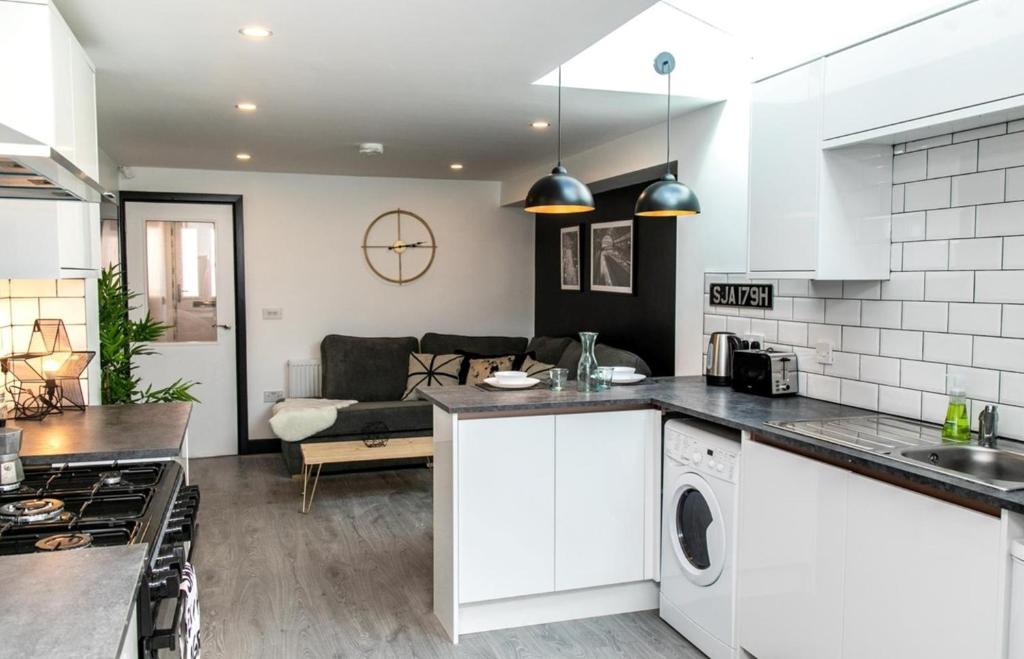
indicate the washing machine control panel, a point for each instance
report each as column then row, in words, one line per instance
column 701, row 456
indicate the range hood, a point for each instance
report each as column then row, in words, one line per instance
column 40, row 172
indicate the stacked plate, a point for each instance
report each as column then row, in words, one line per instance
column 511, row 380
column 626, row 375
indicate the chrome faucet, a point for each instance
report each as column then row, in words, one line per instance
column 987, row 422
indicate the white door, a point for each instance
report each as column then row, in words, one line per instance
column 180, row 261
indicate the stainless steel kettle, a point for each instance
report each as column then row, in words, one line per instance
column 718, row 366
column 11, row 473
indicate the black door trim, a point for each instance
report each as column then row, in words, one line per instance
column 241, row 378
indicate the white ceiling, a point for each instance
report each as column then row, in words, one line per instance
column 437, row 82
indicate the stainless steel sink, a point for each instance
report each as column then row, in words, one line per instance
column 995, row 467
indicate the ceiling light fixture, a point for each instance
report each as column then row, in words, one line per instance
column 245, row 107
column 558, row 192
column 667, row 197
column 243, row 156
column 255, row 32
column 456, row 166
column 540, row 124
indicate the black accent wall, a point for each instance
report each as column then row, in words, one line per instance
column 643, row 322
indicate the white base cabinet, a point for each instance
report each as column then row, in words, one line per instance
column 834, row 564
column 49, row 239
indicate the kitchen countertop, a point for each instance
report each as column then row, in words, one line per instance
column 690, row 396
column 105, row 432
column 70, row 603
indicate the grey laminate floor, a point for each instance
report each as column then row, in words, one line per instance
column 353, row 578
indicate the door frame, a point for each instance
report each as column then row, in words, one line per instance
column 245, row 447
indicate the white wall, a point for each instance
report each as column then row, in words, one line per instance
column 711, row 146
column 302, row 254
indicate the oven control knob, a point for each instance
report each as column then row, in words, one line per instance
column 696, row 457
column 720, row 467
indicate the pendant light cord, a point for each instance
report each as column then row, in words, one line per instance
column 668, row 126
column 559, row 116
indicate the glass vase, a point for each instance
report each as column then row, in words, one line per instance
column 586, row 371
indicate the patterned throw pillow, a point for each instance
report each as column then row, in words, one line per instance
column 534, row 368
column 431, row 371
column 483, row 367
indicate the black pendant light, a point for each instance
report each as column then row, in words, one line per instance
column 558, row 192
column 667, row 197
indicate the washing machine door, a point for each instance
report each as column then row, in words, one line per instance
column 697, row 530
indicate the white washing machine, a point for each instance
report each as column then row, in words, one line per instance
column 698, row 532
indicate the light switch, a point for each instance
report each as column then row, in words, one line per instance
column 273, row 396
column 823, row 352
column 275, row 313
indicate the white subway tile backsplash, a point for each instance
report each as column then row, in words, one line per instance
column 978, row 133
column 950, row 160
column 828, row 333
column 863, row 340
column 929, row 142
column 859, row 394
column 769, row 329
column 70, row 309
column 898, row 198
column 1004, row 151
column 825, row 289
column 901, row 402
column 1011, row 388
column 1013, row 252
column 738, row 325
column 977, row 382
column 793, row 287
column 882, row 370
column 911, row 167
column 999, row 353
column 904, row 286
column 980, row 188
column 862, row 290
column 823, row 387
column 881, row 313
column 842, row 312
column 950, row 223
column 24, row 311
column 933, row 407
column 929, row 255
column 976, row 254
column 1014, row 126
column 714, row 278
column 901, row 343
column 1003, row 286
column 70, row 288
column 1011, row 419
column 809, row 309
column 33, row 287
column 949, row 286
column 925, row 195
column 715, row 324
column 1001, row 219
column 908, row 226
column 924, row 376
column 844, row 365
column 932, row 316
column 948, row 348
column 895, row 258
column 1015, row 184
column 782, row 309
column 971, row 318
column 1013, row 320
column 806, row 360
column 794, row 334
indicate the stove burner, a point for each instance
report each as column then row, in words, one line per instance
column 32, row 510
column 110, row 477
column 64, row 542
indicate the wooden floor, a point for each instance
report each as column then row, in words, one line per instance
column 353, row 578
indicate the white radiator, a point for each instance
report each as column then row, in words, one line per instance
column 304, row 378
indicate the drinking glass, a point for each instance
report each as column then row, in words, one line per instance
column 557, row 377
column 604, row 376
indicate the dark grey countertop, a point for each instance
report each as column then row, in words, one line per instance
column 106, row 432
column 70, row 603
column 690, row 396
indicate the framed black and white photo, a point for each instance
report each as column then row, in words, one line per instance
column 611, row 257
column 570, row 258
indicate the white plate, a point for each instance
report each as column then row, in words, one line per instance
column 518, row 384
column 628, row 379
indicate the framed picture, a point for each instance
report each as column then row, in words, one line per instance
column 570, row 259
column 611, row 257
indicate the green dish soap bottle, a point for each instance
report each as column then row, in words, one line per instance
column 957, row 427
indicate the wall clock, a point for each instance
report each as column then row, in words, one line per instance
column 399, row 246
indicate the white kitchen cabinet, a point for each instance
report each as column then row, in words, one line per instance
column 600, row 497
column 49, row 239
column 51, row 98
column 922, row 576
column 506, row 508
column 813, row 213
column 965, row 58
column 791, row 553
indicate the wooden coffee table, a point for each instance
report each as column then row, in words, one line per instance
column 317, row 454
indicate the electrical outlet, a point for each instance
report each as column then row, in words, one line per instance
column 273, row 313
column 823, row 352
column 751, row 338
column 272, row 396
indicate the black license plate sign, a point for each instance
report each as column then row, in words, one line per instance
column 754, row 296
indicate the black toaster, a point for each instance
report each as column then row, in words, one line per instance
column 764, row 372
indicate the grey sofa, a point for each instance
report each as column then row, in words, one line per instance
column 374, row 371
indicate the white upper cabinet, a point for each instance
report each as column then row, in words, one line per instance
column 45, row 239
column 813, row 213
column 49, row 90
column 965, row 58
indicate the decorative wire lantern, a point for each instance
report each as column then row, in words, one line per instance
column 47, row 374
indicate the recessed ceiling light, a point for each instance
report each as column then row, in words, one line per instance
column 243, row 156
column 255, row 32
column 245, row 107
column 540, row 124
column 456, row 165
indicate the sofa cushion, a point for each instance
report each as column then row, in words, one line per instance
column 426, row 370
column 606, row 356
column 535, row 368
column 549, row 349
column 365, row 369
column 382, row 416
column 484, row 345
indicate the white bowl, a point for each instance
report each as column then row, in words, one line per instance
column 621, row 371
column 510, row 376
